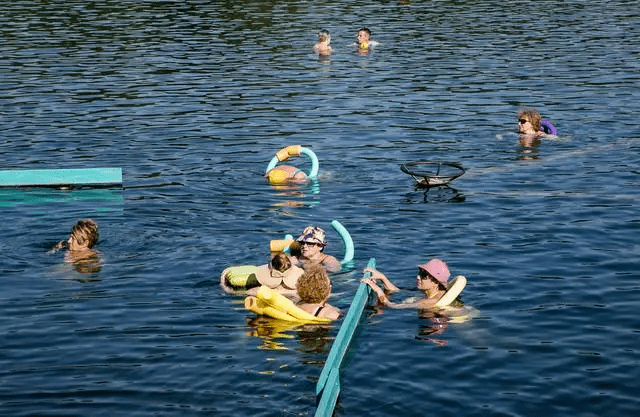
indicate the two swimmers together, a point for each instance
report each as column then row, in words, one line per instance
column 363, row 42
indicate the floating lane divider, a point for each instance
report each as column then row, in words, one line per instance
column 328, row 386
column 283, row 245
column 61, row 177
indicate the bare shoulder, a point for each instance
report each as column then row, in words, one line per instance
column 331, row 263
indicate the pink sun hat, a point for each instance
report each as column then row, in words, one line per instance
column 437, row 269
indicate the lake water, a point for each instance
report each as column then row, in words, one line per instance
column 193, row 98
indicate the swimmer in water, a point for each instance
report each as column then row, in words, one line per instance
column 80, row 253
column 322, row 47
column 363, row 40
column 529, row 128
column 432, row 280
column 310, row 245
column 283, row 174
column 314, row 289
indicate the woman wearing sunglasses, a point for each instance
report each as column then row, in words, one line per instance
column 432, row 280
column 310, row 245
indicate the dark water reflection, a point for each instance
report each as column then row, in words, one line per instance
column 193, row 98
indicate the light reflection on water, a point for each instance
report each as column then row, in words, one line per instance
column 192, row 100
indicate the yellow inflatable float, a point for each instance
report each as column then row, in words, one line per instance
column 271, row 303
column 240, row 277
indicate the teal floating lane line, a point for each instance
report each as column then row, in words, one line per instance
column 330, row 396
column 346, row 332
column 347, row 242
column 60, row 177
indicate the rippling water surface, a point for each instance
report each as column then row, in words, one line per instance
column 193, row 98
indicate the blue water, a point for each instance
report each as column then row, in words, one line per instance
column 193, row 98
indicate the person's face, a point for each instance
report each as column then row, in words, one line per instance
column 525, row 126
column 363, row 36
column 309, row 249
column 426, row 281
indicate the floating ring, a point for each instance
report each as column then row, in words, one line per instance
column 456, row 287
column 295, row 150
column 445, row 172
column 548, row 128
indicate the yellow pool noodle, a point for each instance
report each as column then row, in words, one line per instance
column 260, row 307
column 283, row 304
column 291, row 150
column 279, row 245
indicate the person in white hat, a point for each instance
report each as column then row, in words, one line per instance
column 432, row 279
column 312, row 243
column 280, row 275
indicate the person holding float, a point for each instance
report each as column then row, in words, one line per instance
column 530, row 123
column 363, row 40
column 432, row 280
column 309, row 248
column 288, row 174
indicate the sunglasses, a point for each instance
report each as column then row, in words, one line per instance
column 523, row 121
column 303, row 243
column 425, row 275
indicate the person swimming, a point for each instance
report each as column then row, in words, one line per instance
column 314, row 289
column 364, row 41
column 309, row 247
column 323, row 47
column 80, row 253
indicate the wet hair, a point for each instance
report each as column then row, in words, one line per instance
column 533, row 116
column 365, row 30
column 324, row 35
column 281, row 262
column 314, row 285
column 85, row 232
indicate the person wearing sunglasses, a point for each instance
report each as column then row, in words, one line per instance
column 432, row 280
column 529, row 122
column 310, row 250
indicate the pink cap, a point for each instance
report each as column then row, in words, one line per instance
column 438, row 269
